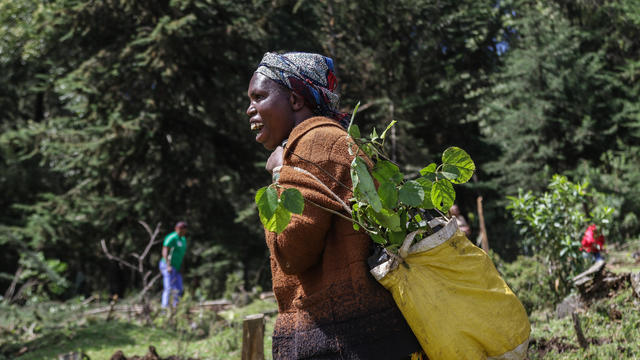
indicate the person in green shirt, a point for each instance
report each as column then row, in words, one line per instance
column 174, row 247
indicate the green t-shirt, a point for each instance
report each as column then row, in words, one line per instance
column 177, row 248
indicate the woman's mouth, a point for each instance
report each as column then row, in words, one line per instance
column 257, row 127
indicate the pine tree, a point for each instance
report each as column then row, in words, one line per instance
column 561, row 100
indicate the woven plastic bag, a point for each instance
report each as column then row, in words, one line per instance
column 453, row 298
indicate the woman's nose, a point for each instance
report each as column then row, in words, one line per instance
column 251, row 110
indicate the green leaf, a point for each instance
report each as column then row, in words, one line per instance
column 267, row 201
column 385, row 171
column 396, row 237
column 353, row 116
column 378, row 239
column 459, row 158
column 386, row 218
column 411, row 193
column 363, row 183
column 443, row 195
column 260, row 194
column 403, row 218
column 368, row 150
column 450, row 172
column 430, row 169
column 355, row 207
column 374, row 135
column 384, row 133
column 292, row 200
column 427, row 185
column 356, row 214
column 429, row 172
column 279, row 221
column 354, row 131
column 388, row 195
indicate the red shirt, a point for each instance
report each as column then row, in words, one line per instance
column 592, row 243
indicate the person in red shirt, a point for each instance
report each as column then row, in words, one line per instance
column 593, row 242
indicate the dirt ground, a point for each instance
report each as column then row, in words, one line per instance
column 151, row 355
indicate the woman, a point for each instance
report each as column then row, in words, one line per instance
column 329, row 306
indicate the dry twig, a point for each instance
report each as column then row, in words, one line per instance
column 146, row 283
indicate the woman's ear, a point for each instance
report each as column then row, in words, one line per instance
column 296, row 100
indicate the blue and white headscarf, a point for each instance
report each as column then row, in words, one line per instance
column 310, row 75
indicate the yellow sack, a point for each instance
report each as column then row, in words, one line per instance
column 454, row 300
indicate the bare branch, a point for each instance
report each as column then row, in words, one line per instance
column 152, row 240
column 339, row 214
column 146, row 277
column 24, row 287
column 149, row 285
column 140, row 268
column 114, row 258
column 145, row 226
column 321, row 169
column 335, row 196
column 8, row 295
column 381, row 101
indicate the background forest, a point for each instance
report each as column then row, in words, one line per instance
column 117, row 111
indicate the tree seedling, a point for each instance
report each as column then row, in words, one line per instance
column 389, row 211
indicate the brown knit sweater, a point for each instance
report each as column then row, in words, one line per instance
column 329, row 305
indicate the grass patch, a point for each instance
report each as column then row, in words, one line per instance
column 611, row 326
column 203, row 336
column 620, row 257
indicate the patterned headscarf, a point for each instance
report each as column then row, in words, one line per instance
column 310, row 75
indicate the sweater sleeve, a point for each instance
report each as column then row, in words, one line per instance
column 322, row 153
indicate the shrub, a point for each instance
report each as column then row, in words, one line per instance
column 552, row 225
column 530, row 281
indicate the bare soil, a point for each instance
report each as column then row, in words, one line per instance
column 562, row 344
column 151, row 355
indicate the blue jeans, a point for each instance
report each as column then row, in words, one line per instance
column 594, row 256
column 171, row 282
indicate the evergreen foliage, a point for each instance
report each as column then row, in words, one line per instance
column 565, row 100
column 138, row 125
column 117, row 111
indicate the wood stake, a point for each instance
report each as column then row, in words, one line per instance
column 253, row 337
column 483, row 229
column 576, row 325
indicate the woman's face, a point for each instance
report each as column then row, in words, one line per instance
column 270, row 112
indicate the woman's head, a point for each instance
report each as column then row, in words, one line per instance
column 289, row 88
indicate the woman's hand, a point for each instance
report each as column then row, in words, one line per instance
column 275, row 160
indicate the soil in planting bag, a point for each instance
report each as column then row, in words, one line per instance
column 453, row 298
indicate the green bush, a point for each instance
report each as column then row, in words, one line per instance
column 552, row 225
column 530, row 281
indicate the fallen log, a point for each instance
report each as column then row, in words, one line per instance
column 598, row 282
column 210, row 305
